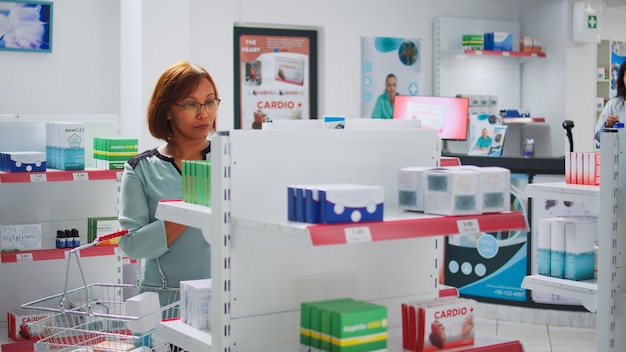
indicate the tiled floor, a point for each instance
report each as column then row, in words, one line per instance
column 540, row 337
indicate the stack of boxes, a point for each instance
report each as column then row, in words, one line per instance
column 335, row 203
column 197, row 182
column 65, row 145
column 455, row 190
column 112, row 153
column 22, row 161
column 566, row 248
column 582, row 168
column 343, row 324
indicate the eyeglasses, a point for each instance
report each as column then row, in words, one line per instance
column 194, row 108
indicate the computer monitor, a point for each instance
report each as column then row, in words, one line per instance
column 447, row 115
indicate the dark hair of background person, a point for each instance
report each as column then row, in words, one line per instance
column 621, row 88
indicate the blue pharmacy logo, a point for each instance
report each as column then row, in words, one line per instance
column 487, row 246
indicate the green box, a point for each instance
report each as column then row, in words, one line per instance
column 310, row 323
column 99, row 226
column 358, row 328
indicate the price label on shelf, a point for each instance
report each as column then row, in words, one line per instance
column 80, row 176
column 506, row 53
column 468, row 226
column 358, row 234
column 24, row 257
column 38, row 178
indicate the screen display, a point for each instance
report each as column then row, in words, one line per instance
column 447, row 115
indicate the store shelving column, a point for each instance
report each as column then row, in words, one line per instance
column 611, row 259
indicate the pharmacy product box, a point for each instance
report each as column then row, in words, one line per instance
column 100, row 226
column 310, row 323
column 543, row 246
column 503, row 41
column 195, row 299
column 21, row 327
column 453, row 191
column 112, row 153
column 580, row 238
column 411, row 321
column 495, row 186
column 351, row 203
column 146, row 307
column 411, row 187
column 26, row 161
column 557, row 247
column 439, row 324
column 356, row 328
column 20, row 237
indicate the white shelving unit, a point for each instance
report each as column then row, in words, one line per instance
column 264, row 266
column 606, row 295
column 56, row 200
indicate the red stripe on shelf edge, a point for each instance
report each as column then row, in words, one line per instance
column 512, row 346
column 328, row 234
column 54, row 254
column 18, row 346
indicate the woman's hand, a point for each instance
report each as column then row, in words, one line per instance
column 611, row 120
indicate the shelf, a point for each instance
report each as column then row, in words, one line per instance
column 54, row 254
column 185, row 336
column 566, row 191
column 192, row 339
column 503, row 53
column 586, row 291
column 189, row 214
column 398, row 224
column 60, row 175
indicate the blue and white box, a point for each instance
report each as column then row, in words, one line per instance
column 65, row 145
column 26, row 161
column 20, row 237
column 503, row 41
column 351, row 203
column 453, row 191
column 557, row 247
column 543, row 247
column 580, row 237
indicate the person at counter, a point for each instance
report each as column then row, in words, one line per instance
column 614, row 111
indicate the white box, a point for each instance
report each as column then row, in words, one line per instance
column 147, row 308
column 452, row 191
column 557, row 247
column 20, row 237
column 411, row 187
column 195, row 298
column 495, row 186
column 543, row 247
column 580, row 237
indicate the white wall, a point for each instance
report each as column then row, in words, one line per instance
column 80, row 76
column 93, row 69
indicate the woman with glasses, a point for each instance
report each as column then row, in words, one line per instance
column 182, row 113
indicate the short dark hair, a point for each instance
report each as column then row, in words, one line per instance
column 176, row 83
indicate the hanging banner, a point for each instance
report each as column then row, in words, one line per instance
column 275, row 75
column 387, row 61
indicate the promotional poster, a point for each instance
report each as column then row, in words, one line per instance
column 491, row 265
column 384, row 58
column 274, row 76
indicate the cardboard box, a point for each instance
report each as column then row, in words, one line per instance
column 438, row 324
column 351, row 203
column 495, row 186
column 580, row 238
column 26, row 161
column 453, row 191
column 147, row 308
column 412, row 187
column 20, row 324
column 20, row 237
